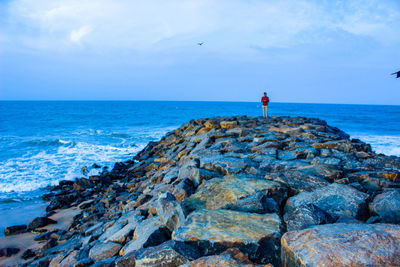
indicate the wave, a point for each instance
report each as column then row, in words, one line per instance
column 55, row 159
column 47, row 142
column 385, row 144
column 37, row 170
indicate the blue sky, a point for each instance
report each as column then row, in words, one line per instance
column 297, row 50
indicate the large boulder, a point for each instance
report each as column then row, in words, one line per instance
column 104, row 251
column 213, row 231
column 231, row 257
column 219, row 192
column 296, row 181
column 161, row 255
column 40, row 222
column 387, row 207
column 338, row 200
column 342, row 244
column 15, row 229
column 150, row 232
column 121, row 235
column 169, row 210
column 304, row 216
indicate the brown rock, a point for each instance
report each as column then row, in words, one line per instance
column 343, row 245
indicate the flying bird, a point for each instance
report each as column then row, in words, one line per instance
column 397, row 74
column 200, row 43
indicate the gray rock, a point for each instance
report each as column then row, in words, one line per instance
column 304, row 216
column 15, row 229
column 213, row 231
column 337, row 200
column 386, row 206
column 169, row 210
column 162, row 255
column 150, row 232
column 112, row 230
column 40, row 222
column 343, row 244
column 219, row 192
column 257, row 203
column 296, row 181
column 121, row 235
column 103, row 251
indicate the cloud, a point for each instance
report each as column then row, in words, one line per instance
column 228, row 26
column 77, row 35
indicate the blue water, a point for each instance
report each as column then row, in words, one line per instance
column 44, row 142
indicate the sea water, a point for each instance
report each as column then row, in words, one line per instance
column 43, row 142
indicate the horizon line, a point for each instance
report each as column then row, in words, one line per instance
column 196, row 101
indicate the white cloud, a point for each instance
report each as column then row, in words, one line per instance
column 227, row 25
column 77, row 35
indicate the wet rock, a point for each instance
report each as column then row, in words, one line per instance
column 8, row 252
column 343, row 245
column 15, row 229
column 29, row 253
column 387, row 207
column 337, row 200
column 150, row 232
column 213, row 231
column 65, row 247
column 104, row 251
column 219, row 192
column 40, row 222
column 306, row 215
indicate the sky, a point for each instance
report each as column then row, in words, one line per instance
column 304, row 51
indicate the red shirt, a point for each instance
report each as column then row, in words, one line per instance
column 265, row 100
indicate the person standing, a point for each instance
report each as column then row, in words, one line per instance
column 265, row 101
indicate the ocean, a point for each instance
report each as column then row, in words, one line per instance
column 43, row 142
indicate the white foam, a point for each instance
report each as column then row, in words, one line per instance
column 35, row 170
column 385, row 144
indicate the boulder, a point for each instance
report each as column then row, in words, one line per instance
column 219, row 192
column 326, row 171
column 386, row 206
column 343, row 244
column 338, row 200
column 15, row 229
column 40, row 222
column 8, row 252
column 231, row 257
column 256, row 203
column 161, row 255
column 224, row 164
column 306, row 215
column 296, row 181
column 213, row 231
column 228, row 124
column 102, row 251
column 121, row 235
column 169, row 210
column 150, row 232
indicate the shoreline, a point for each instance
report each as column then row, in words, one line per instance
column 164, row 188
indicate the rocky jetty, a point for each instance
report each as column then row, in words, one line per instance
column 226, row 191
